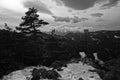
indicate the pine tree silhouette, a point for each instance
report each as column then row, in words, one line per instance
column 31, row 22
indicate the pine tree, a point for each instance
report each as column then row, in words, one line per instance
column 31, row 22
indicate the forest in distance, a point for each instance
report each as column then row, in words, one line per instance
column 28, row 46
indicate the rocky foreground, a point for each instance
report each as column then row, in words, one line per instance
column 72, row 71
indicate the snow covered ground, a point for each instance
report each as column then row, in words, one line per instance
column 73, row 71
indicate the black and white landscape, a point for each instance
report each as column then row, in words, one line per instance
column 59, row 39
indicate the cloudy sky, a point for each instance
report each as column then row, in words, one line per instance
column 65, row 14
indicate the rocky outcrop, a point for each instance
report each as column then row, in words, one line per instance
column 72, row 71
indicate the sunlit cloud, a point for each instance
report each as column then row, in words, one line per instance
column 14, row 5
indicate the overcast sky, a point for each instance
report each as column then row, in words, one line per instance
column 65, row 14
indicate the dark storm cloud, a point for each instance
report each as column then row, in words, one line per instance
column 74, row 19
column 110, row 4
column 79, row 4
column 85, row 4
column 101, row 1
column 41, row 7
column 97, row 14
